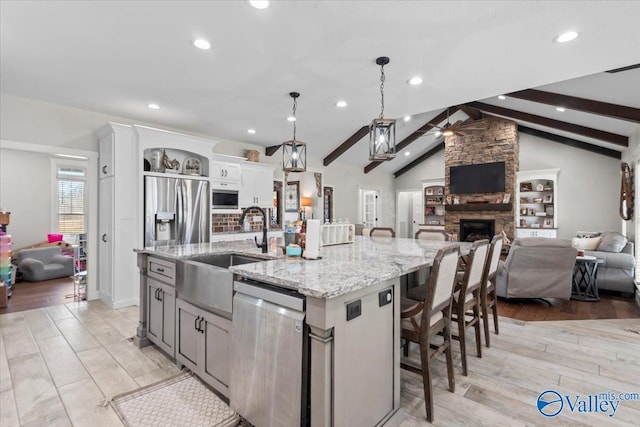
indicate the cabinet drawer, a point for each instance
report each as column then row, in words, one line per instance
column 162, row 270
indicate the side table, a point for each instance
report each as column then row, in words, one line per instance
column 583, row 287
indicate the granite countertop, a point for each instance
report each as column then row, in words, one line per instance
column 241, row 247
column 349, row 267
column 341, row 270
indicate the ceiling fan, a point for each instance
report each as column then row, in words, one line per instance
column 458, row 128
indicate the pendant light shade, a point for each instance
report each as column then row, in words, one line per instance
column 382, row 132
column 294, row 151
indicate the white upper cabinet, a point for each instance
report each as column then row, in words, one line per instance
column 256, row 187
column 225, row 171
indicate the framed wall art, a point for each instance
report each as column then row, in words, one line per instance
column 328, row 203
column 292, row 196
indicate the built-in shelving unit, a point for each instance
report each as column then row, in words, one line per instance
column 434, row 207
column 536, row 203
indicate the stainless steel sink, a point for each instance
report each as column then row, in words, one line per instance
column 206, row 282
column 226, row 260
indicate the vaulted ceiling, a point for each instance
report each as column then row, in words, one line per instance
column 117, row 57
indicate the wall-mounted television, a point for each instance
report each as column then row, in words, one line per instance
column 480, row 178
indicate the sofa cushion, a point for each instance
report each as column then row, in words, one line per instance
column 613, row 259
column 586, row 243
column 612, row 242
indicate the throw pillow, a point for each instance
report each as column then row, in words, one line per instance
column 612, row 242
column 586, row 243
column 588, row 233
column 54, row 237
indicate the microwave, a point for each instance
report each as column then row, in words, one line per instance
column 224, row 196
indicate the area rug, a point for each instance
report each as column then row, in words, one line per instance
column 182, row 400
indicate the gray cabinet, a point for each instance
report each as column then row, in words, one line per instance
column 161, row 311
column 202, row 344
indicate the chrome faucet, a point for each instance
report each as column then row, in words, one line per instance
column 264, row 244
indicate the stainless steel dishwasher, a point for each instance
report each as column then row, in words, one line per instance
column 269, row 357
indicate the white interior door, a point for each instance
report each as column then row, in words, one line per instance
column 369, row 207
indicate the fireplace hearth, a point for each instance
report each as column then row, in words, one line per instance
column 476, row 229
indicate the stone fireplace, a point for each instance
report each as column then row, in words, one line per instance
column 497, row 143
column 476, row 229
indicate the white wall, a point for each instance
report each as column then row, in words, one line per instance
column 347, row 180
column 25, row 191
column 588, row 185
column 432, row 168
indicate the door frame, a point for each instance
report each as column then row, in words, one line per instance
column 91, row 157
column 406, row 190
column 378, row 219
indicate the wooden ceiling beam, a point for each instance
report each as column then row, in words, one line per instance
column 473, row 113
column 584, row 105
column 418, row 160
column 270, row 151
column 415, row 135
column 612, row 138
column 348, row 143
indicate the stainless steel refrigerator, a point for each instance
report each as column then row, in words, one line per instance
column 176, row 211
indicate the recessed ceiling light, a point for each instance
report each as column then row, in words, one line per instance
column 341, row 104
column 561, row 109
column 566, row 37
column 202, row 44
column 406, row 153
column 154, row 106
column 413, row 81
column 438, row 133
column 259, row 4
column 291, row 119
column 502, row 97
column 251, row 131
column 407, row 118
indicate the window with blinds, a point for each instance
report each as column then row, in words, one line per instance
column 71, row 199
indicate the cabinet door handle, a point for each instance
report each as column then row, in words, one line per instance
column 104, row 169
column 160, row 294
column 156, row 294
column 160, row 270
column 200, row 325
column 195, row 324
column 104, row 238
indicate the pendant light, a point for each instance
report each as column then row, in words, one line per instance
column 382, row 132
column 294, row 152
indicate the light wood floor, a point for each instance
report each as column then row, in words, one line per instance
column 58, row 362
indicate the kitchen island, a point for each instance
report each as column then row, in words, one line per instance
column 351, row 366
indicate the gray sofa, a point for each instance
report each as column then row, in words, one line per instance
column 617, row 271
column 44, row 264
